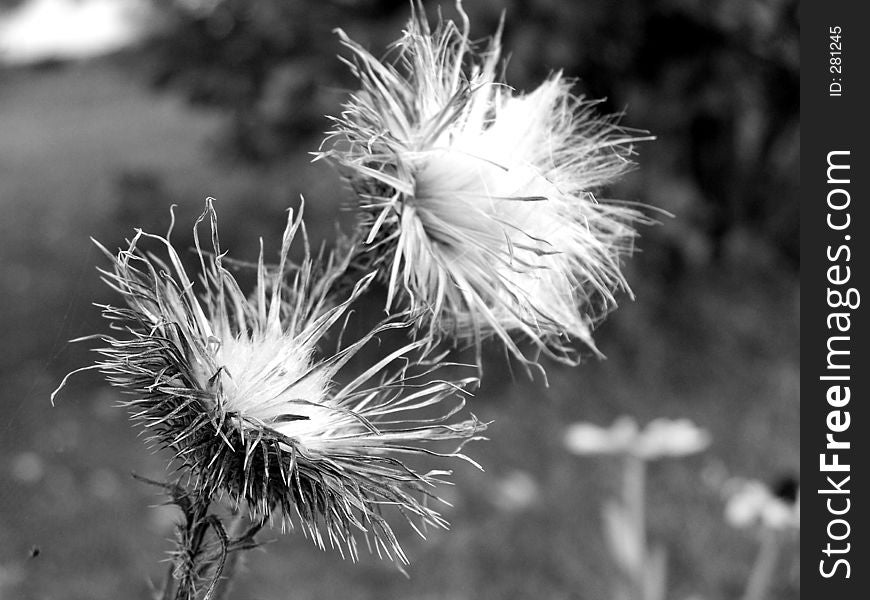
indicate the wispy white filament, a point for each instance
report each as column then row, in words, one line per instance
column 479, row 201
column 241, row 389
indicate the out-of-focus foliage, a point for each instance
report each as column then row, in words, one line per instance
column 717, row 81
column 269, row 64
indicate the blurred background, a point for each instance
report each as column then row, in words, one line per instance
column 112, row 110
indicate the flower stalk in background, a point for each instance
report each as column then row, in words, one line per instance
column 478, row 203
column 245, row 396
column 773, row 516
column 643, row 569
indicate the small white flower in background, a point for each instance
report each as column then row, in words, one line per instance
column 751, row 503
column 478, row 202
column 516, row 491
column 588, row 438
column 660, row 438
column 643, row 567
column 27, row 467
column 672, row 437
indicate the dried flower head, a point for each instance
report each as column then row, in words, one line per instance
column 238, row 388
column 478, row 202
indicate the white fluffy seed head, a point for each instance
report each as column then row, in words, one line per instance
column 255, row 404
column 266, row 379
column 478, row 201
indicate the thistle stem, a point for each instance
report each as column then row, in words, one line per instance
column 234, row 559
column 193, row 558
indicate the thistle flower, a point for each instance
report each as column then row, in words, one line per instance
column 237, row 389
column 478, row 202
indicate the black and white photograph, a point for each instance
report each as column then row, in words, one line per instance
column 412, row 300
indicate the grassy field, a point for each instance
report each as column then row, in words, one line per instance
column 88, row 151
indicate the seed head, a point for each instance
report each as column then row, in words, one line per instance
column 242, row 392
column 478, row 202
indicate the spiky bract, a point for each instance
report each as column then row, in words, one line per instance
column 477, row 202
column 238, row 388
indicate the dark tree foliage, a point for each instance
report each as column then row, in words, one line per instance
column 716, row 80
column 270, row 64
